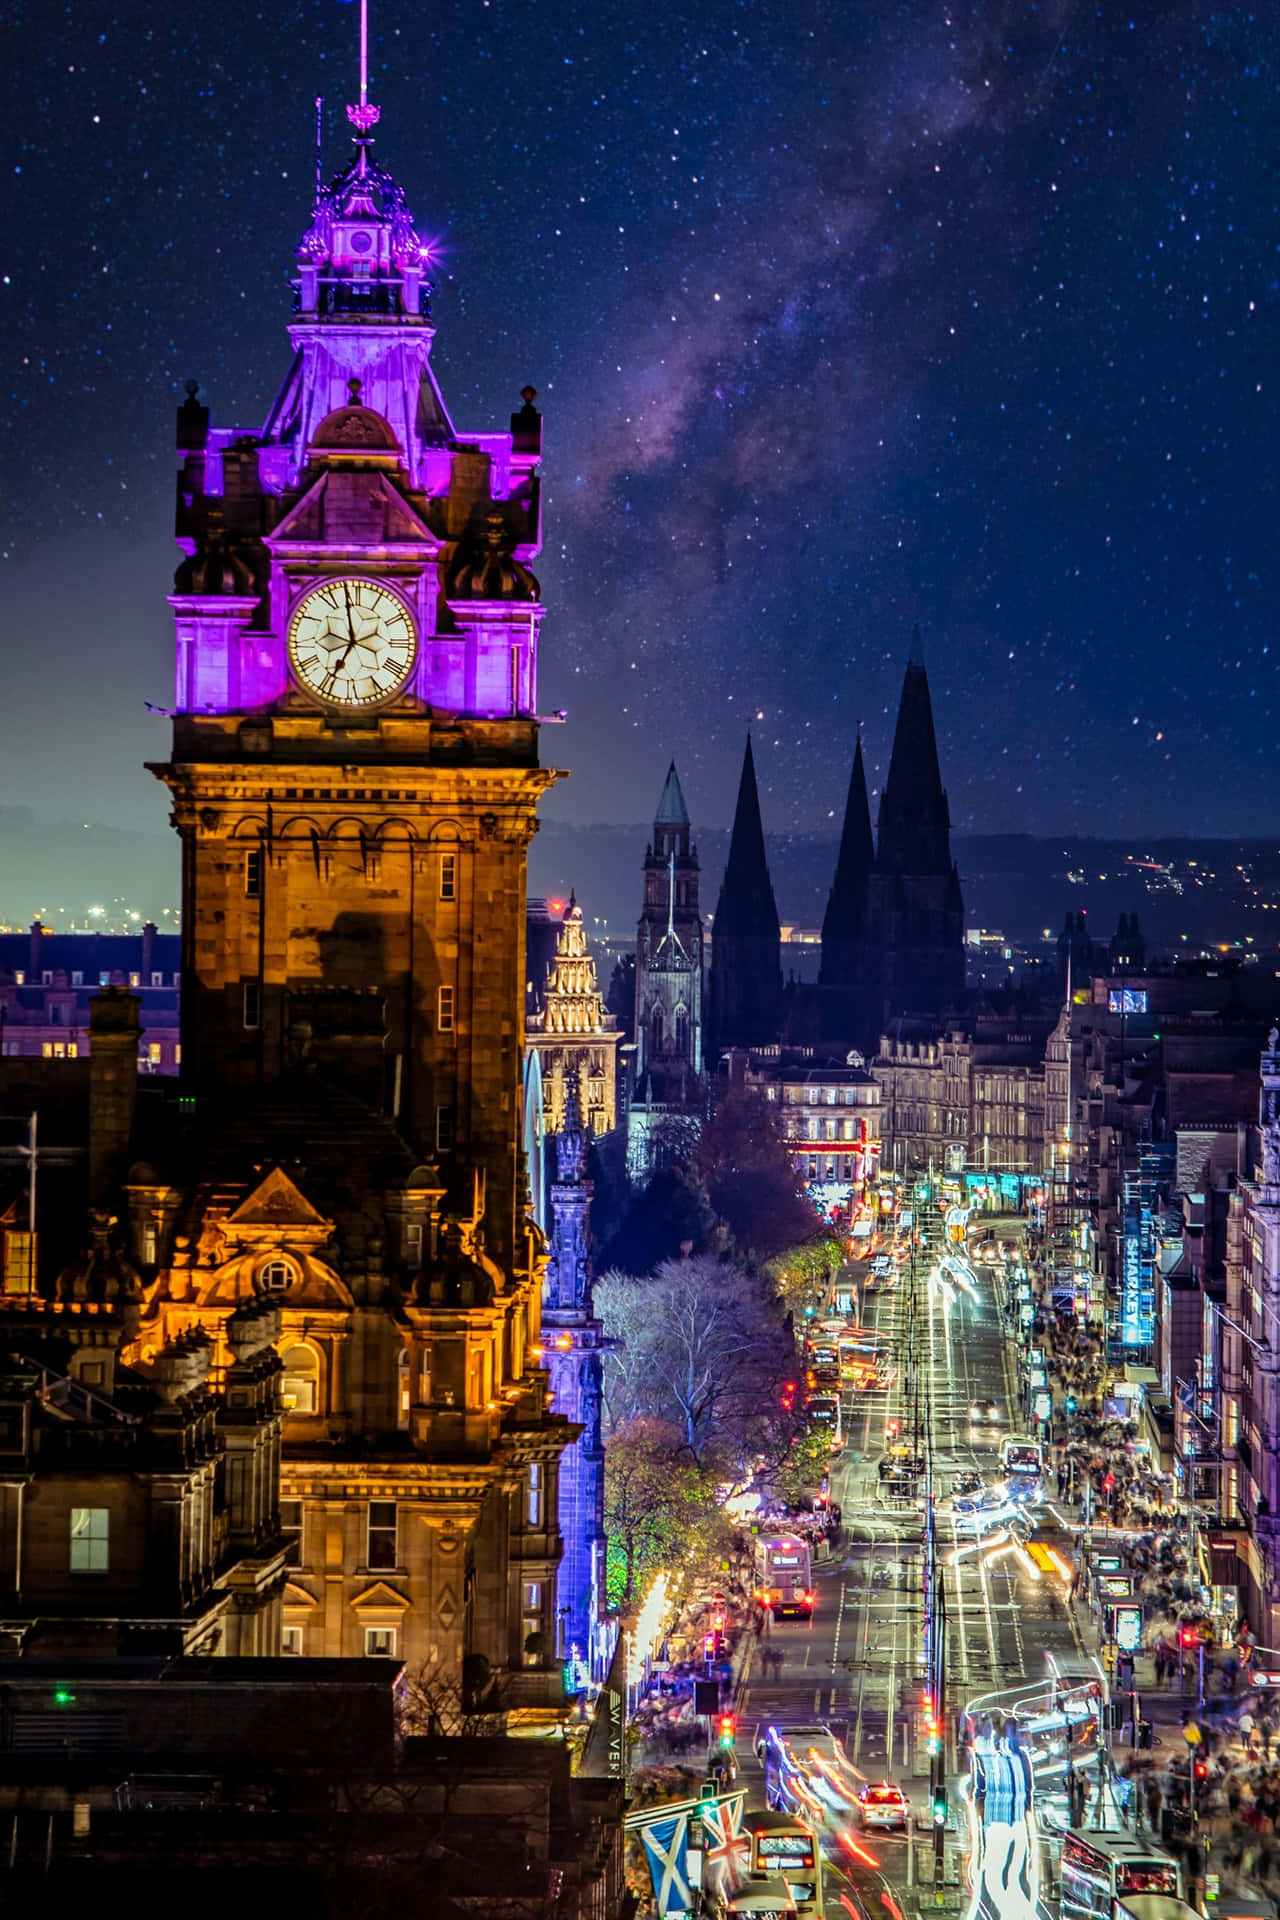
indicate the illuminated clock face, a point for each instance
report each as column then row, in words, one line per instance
column 352, row 642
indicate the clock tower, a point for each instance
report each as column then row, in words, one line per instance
column 354, row 775
column 355, row 765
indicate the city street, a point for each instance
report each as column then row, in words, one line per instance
column 859, row 1665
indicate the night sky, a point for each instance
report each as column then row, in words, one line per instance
column 843, row 316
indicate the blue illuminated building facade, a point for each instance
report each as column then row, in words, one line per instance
column 574, row 1343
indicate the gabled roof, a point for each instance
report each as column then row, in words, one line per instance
column 277, row 1202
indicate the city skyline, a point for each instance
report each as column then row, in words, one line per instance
column 1044, row 366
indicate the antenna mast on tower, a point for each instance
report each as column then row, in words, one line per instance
column 363, row 117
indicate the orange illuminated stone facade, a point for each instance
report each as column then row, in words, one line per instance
column 354, row 776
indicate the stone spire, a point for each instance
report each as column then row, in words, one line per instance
column 671, row 822
column 915, row 825
column 746, row 955
column 672, row 811
column 845, row 919
column 746, row 904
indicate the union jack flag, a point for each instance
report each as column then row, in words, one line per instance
column 727, row 1858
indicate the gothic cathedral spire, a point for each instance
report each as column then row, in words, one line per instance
column 844, row 923
column 746, row 949
column 915, row 825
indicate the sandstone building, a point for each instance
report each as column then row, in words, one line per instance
column 354, row 775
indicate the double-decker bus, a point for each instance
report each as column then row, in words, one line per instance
column 1100, row 1871
column 784, row 1845
column 783, row 1577
column 823, row 1417
column 1021, row 1456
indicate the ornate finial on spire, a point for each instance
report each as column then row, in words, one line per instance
column 364, row 117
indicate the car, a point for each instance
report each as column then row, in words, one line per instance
column 901, row 1463
column 967, row 1481
column 881, row 1804
column 984, row 1413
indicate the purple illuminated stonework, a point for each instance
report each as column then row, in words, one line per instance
column 359, row 466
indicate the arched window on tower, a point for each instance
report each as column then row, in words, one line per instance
column 682, row 1034
column 300, row 1386
column 402, row 1389
column 655, row 1032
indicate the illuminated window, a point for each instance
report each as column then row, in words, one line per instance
column 177, row 1055
column 402, row 1388
column 533, row 1508
column 300, row 1382
column 444, row 1009
column 18, row 1251
column 154, row 1052
column 135, row 979
column 531, row 1622
column 291, row 1640
column 253, row 874
column 20, row 978
column 380, row 1643
column 104, row 979
column 448, row 876
column 291, row 1528
column 90, row 1534
column 380, row 1552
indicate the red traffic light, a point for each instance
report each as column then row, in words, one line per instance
column 1202, row 1770
column 1109, row 1484
column 1188, row 1636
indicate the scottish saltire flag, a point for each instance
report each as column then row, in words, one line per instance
column 666, row 1845
column 727, row 1859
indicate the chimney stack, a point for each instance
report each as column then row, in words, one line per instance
column 114, row 1032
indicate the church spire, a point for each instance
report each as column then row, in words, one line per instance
column 672, row 811
column 746, row 949
column 843, row 922
column 746, row 903
column 915, row 826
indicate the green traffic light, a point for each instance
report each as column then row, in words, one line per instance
column 940, row 1807
column 63, row 1697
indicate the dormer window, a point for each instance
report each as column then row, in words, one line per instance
column 275, row 1276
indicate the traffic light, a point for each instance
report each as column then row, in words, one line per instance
column 710, row 1646
column 727, row 1730
column 1187, row 1636
column 1109, row 1484
column 1202, row 1769
column 63, row 1697
column 939, row 1806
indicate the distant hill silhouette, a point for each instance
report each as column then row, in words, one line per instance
column 1011, row 881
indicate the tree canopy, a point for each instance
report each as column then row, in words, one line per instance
column 702, row 1346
